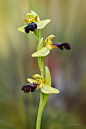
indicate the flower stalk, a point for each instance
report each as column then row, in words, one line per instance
column 38, row 82
column 41, row 67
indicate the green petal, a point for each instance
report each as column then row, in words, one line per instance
column 41, row 53
column 48, row 76
column 30, row 15
column 22, row 28
column 49, row 90
column 30, row 80
column 37, row 75
column 42, row 24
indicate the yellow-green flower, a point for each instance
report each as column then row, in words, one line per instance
column 49, row 46
column 39, row 83
column 33, row 22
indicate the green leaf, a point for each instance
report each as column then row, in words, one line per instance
column 49, row 90
column 31, row 80
column 41, row 53
column 22, row 28
column 40, row 44
column 42, row 24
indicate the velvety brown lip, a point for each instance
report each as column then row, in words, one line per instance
column 29, row 87
column 62, row 45
column 30, row 27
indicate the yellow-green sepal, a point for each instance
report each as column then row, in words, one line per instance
column 41, row 53
column 35, row 14
column 49, row 90
column 31, row 80
column 21, row 29
column 41, row 24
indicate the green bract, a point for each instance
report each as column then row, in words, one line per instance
column 48, row 82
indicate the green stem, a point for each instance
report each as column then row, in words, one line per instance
column 42, row 67
column 39, row 115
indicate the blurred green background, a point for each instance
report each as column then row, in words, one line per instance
column 68, row 68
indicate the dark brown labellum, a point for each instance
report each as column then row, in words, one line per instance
column 26, row 88
column 63, row 45
column 30, row 87
column 30, row 27
column 34, row 86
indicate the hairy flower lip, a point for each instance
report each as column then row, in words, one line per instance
column 62, row 45
column 26, row 88
column 30, row 27
column 30, row 87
